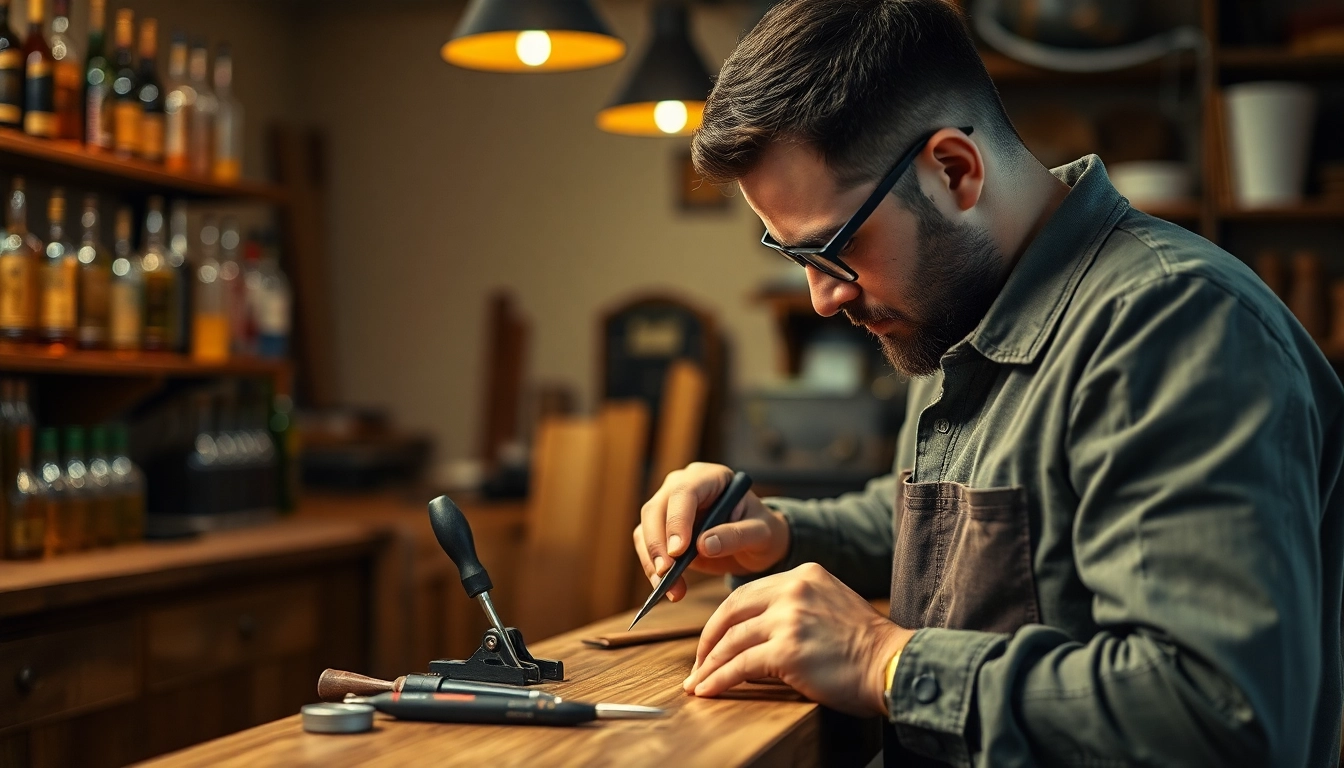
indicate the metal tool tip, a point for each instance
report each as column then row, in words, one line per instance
column 628, row 712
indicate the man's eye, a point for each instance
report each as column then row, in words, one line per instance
column 848, row 246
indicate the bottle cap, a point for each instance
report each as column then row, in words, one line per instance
column 337, row 718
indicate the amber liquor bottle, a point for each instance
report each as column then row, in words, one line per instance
column 11, row 72
column 150, row 94
column 60, row 278
column 39, row 79
column 126, row 112
column 95, row 281
column 27, row 502
column 98, row 76
column 19, row 256
column 69, row 74
column 126, row 309
column 160, row 284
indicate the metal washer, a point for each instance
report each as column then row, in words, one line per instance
column 337, row 718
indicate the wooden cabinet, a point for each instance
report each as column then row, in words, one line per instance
column 107, row 658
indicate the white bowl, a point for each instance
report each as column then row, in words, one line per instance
column 1152, row 182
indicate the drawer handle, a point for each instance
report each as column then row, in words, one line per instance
column 247, row 626
column 25, row 679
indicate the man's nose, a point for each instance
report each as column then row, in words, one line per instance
column 828, row 293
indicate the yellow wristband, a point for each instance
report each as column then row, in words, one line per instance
column 890, row 674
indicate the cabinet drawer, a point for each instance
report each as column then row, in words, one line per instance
column 59, row 672
column 238, row 628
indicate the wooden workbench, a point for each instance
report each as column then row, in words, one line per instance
column 753, row 725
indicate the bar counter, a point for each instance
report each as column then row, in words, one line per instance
column 752, row 725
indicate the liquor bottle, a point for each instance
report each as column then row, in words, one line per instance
column 160, row 284
column 63, row 511
column 128, row 482
column 252, row 287
column 210, row 324
column 60, row 278
column 126, row 111
column 179, row 104
column 80, row 487
column 11, row 72
column 69, row 75
column 180, row 261
column 201, row 137
column 234, row 286
column 27, row 502
column 18, row 271
column 150, row 94
column 98, row 77
column 228, row 121
column 105, row 510
column 95, row 281
column 39, row 77
column 273, row 307
column 126, row 309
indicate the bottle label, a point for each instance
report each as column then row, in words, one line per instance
column 11, row 86
column 151, row 137
column 98, row 118
column 126, row 119
column 125, row 315
column 273, row 313
column 58, row 294
column 17, row 302
column 94, row 287
column 39, row 117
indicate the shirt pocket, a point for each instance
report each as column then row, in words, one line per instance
column 962, row 558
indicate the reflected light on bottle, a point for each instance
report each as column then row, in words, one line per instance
column 533, row 47
column 669, row 116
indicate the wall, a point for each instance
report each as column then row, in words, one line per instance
column 446, row 184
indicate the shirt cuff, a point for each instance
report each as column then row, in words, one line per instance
column 930, row 700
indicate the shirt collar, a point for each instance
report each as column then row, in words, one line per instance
column 1024, row 314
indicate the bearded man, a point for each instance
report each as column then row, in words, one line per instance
column 1112, row 534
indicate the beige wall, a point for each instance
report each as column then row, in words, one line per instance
column 447, row 183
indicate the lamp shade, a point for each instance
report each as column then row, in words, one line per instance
column 531, row 36
column 665, row 95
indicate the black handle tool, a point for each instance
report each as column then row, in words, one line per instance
column 717, row 514
column 467, row 708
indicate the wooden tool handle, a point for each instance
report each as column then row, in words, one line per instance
column 334, row 684
column 642, row 636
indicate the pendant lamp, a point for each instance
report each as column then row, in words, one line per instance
column 531, row 36
column 665, row 95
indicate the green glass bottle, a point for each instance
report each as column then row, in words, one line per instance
column 78, row 486
column 27, row 502
column 63, row 512
column 103, row 501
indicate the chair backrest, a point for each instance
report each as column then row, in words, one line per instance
column 681, row 421
column 615, row 567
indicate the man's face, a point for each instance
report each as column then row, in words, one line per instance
column 924, row 281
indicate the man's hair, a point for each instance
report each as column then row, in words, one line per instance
column 857, row 80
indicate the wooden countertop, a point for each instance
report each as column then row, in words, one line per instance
column 753, row 725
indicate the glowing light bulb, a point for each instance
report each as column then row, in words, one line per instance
column 669, row 116
column 533, row 47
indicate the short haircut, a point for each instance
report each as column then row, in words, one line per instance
column 858, row 80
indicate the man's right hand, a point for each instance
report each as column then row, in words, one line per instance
column 755, row 538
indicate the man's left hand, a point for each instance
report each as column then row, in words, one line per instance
column 805, row 628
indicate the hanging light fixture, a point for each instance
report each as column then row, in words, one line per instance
column 531, row 36
column 665, row 95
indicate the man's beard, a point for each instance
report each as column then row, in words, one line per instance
column 955, row 276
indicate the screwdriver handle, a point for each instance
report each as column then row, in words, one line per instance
column 454, row 535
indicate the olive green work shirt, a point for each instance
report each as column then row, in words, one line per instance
column 1179, row 437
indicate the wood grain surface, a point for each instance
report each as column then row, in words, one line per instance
column 753, row 725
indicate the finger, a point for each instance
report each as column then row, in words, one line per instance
column 642, row 549
column 737, row 639
column 653, row 519
column 752, row 663
column 690, row 491
column 678, row 590
column 745, row 602
column 729, row 539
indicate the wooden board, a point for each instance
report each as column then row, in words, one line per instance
column 625, row 430
column 754, row 725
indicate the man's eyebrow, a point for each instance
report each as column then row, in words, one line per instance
column 816, row 237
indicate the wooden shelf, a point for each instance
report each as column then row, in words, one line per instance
column 33, row 358
column 1310, row 210
column 1003, row 70
column 1278, row 62
column 1186, row 212
column 71, row 161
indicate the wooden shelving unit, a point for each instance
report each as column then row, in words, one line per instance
column 1275, row 62
column 42, row 359
column 68, row 160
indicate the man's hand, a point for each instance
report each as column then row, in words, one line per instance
column 755, row 538
column 805, row 628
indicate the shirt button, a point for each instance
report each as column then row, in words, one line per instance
column 942, row 425
column 926, row 689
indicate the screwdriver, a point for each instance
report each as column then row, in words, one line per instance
column 717, row 514
column 337, row 685
column 471, row 708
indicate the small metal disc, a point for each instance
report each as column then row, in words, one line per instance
column 337, row 718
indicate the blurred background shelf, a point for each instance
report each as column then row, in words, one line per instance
column 70, row 161
column 1004, row 70
column 1309, row 210
column 43, row 359
column 1279, row 62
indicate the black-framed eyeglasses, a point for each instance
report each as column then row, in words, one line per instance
column 827, row 257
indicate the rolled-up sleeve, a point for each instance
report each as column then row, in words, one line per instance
column 1194, row 448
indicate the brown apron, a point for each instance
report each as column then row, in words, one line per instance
column 962, row 561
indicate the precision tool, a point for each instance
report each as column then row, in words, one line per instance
column 339, row 685
column 717, row 514
column 469, row 708
column 503, row 656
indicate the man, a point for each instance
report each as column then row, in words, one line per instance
column 1113, row 531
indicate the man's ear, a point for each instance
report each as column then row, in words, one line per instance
column 955, row 170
